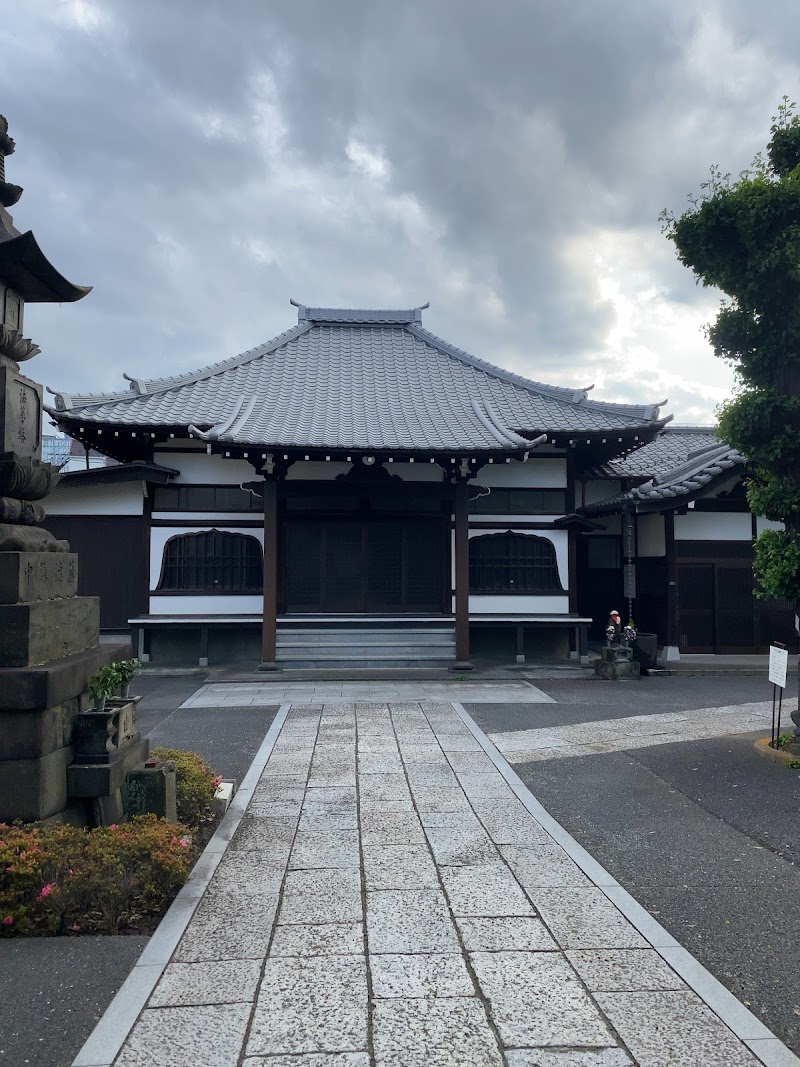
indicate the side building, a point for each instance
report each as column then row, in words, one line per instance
column 355, row 490
column 675, row 517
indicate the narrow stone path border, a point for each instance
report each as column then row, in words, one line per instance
column 108, row 1037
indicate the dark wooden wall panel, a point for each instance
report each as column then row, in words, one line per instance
column 112, row 562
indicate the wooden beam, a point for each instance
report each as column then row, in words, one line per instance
column 461, row 513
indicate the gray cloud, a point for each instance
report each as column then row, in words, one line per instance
column 200, row 163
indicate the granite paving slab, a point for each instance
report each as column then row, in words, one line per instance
column 387, row 899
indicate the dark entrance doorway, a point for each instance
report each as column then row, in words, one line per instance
column 364, row 566
column 715, row 607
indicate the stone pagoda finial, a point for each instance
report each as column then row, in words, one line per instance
column 9, row 194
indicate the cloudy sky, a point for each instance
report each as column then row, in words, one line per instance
column 200, row 162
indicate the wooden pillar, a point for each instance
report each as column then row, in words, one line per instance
column 671, row 641
column 269, row 625
column 520, row 628
column 461, row 511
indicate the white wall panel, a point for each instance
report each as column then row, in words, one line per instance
column 767, row 524
column 206, row 605
column 159, row 535
column 601, row 489
column 559, row 538
column 651, row 535
column 198, row 468
column 548, row 473
column 713, row 526
column 125, row 498
column 518, row 605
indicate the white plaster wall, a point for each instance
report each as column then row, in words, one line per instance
column 600, row 489
column 651, row 535
column 548, row 473
column 316, row 470
column 767, row 524
column 215, row 517
column 198, row 468
column 159, row 535
column 512, row 518
column 206, row 605
column 518, row 605
column 559, row 538
column 417, row 472
column 713, row 526
column 125, row 498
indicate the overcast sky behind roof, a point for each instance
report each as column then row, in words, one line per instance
column 201, row 161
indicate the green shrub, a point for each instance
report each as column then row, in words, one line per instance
column 61, row 879
column 195, row 783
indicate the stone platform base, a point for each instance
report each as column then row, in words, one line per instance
column 38, row 709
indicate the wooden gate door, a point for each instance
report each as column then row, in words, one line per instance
column 359, row 567
column 715, row 608
column 696, row 607
column 733, row 603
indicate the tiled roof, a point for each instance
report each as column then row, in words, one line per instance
column 355, row 379
column 687, row 478
column 670, row 449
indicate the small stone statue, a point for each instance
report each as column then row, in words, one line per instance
column 613, row 627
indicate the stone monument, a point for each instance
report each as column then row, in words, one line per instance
column 48, row 634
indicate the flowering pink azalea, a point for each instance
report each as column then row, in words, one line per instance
column 113, row 826
column 184, row 842
column 9, row 919
column 47, row 890
column 75, row 927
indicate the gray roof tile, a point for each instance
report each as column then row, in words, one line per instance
column 697, row 468
column 362, row 380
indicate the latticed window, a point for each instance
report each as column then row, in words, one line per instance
column 513, row 563
column 212, row 562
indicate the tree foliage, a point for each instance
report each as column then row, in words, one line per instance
column 743, row 236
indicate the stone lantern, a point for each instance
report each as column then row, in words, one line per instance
column 48, row 635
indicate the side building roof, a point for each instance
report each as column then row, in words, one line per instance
column 349, row 379
column 682, row 463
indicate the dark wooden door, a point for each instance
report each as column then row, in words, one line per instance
column 733, row 604
column 358, row 566
column 696, row 607
column 715, row 608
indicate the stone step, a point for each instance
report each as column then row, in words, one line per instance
column 366, row 637
column 364, row 663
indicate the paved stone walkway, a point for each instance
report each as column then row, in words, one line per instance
column 637, row 731
column 230, row 694
column 386, row 899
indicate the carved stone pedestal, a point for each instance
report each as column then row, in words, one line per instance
column 616, row 662
column 48, row 652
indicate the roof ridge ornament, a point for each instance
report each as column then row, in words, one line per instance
column 9, row 194
column 136, row 384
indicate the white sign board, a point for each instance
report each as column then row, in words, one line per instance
column 778, row 661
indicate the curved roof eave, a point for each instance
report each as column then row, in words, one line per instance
column 26, row 268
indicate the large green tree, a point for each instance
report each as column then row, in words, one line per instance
column 743, row 236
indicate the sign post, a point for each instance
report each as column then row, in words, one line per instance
column 778, row 662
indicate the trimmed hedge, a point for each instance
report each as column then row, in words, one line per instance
column 195, row 786
column 65, row 879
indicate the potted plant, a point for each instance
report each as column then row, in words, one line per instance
column 125, row 670
column 102, row 685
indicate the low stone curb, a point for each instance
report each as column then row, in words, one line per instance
column 750, row 1030
column 764, row 748
column 104, row 1043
